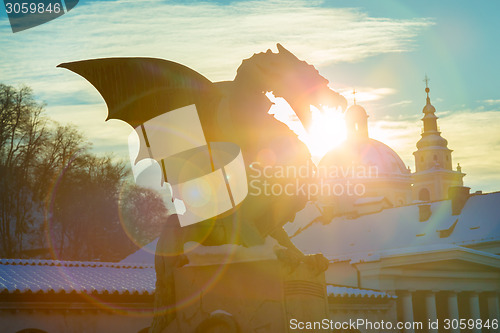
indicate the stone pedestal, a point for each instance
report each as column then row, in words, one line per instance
column 258, row 296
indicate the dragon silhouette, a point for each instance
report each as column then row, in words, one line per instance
column 139, row 89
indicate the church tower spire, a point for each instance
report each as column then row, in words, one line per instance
column 434, row 173
column 430, row 118
column 356, row 122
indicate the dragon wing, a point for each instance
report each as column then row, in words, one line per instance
column 161, row 100
column 139, row 89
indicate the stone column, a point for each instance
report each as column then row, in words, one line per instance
column 493, row 309
column 453, row 309
column 430, row 308
column 474, row 309
column 407, row 305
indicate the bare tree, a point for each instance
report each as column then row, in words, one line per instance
column 143, row 213
column 53, row 184
column 22, row 130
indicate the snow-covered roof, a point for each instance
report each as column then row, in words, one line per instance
column 366, row 237
column 398, row 228
column 20, row 276
column 44, row 276
column 200, row 255
column 341, row 291
column 369, row 200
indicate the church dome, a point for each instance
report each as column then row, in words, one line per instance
column 356, row 112
column 356, row 121
column 361, row 160
column 432, row 140
column 369, row 153
column 428, row 108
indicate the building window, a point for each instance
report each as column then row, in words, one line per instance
column 421, row 158
column 424, row 195
column 435, row 158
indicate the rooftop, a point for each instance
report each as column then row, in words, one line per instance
column 398, row 228
column 341, row 291
column 18, row 276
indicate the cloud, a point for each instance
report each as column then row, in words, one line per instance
column 491, row 101
column 366, row 94
column 106, row 137
column 211, row 38
column 400, row 103
column 473, row 136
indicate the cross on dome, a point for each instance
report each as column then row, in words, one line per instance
column 426, row 80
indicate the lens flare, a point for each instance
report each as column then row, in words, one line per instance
column 327, row 129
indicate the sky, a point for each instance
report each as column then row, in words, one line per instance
column 383, row 49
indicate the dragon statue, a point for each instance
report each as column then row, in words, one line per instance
column 138, row 89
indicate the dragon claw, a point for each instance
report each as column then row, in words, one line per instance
column 317, row 263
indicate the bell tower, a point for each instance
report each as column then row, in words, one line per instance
column 434, row 172
column 356, row 122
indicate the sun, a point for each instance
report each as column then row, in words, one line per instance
column 326, row 132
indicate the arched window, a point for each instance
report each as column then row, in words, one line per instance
column 424, row 195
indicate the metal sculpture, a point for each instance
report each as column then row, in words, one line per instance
column 139, row 90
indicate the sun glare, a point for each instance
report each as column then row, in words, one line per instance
column 326, row 132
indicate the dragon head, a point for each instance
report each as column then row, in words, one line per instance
column 298, row 82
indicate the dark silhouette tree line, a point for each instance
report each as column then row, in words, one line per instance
column 58, row 198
